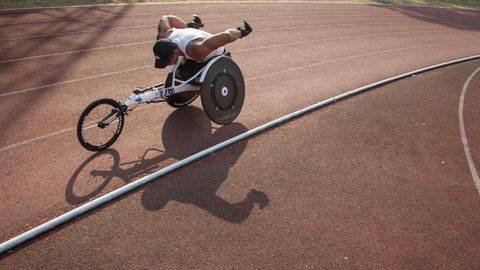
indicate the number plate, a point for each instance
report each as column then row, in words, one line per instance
column 162, row 93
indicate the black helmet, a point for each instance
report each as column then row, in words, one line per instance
column 163, row 50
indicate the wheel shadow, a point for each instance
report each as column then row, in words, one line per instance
column 185, row 132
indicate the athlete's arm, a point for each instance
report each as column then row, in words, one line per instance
column 199, row 49
column 166, row 23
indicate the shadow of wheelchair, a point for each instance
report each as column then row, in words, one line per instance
column 186, row 131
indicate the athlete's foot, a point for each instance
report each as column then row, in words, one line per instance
column 258, row 197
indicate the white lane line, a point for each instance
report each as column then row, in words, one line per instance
column 363, row 24
column 181, row 12
column 76, row 51
column 72, row 81
column 255, row 78
column 205, row 17
column 118, row 15
column 345, row 37
column 360, row 55
column 105, row 29
column 278, row 45
column 51, row 135
column 19, row 10
column 471, row 163
column 79, row 32
column 78, row 19
column 31, row 9
column 36, row 139
column 144, row 67
column 46, row 136
column 76, row 212
column 313, row 3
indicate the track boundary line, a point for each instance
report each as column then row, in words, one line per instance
column 93, row 30
column 76, row 51
column 159, row 14
column 288, row 43
column 72, row 81
column 7, row 147
column 212, row 2
column 75, row 19
column 51, row 134
column 239, row 51
column 7, row 10
column 466, row 148
column 49, row 225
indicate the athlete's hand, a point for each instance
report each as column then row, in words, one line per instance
column 245, row 30
column 196, row 22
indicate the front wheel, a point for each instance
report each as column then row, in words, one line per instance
column 100, row 124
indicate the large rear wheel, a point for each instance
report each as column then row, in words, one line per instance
column 223, row 91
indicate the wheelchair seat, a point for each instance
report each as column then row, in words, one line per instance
column 189, row 67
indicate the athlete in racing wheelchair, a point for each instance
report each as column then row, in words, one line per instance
column 200, row 67
column 178, row 39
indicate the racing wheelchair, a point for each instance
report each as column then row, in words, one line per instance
column 219, row 83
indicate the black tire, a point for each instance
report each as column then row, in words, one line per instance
column 82, row 125
column 181, row 99
column 223, row 91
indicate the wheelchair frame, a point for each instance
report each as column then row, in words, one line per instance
column 157, row 93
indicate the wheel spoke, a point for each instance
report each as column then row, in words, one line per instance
column 95, row 137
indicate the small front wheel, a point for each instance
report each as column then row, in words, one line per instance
column 100, row 124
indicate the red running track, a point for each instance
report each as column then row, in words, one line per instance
column 353, row 185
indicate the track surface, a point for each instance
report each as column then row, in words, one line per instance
column 379, row 180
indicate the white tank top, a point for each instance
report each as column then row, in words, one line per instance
column 182, row 37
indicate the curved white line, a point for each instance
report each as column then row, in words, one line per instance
column 51, row 224
column 78, row 32
column 121, row 28
column 186, row 11
column 71, row 81
column 468, row 155
column 93, row 30
column 277, row 45
column 8, row 147
column 76, row 19
column 159, row 14
column 76, row 51
column 14, row 10
column 239, row 51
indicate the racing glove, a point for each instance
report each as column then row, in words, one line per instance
column 245, row 29
column 196, row 22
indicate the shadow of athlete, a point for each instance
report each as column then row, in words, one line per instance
column 199, row 182
column 186, row 131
